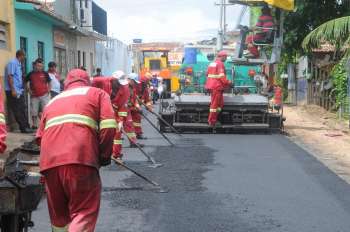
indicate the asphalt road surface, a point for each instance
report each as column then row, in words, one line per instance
column 240, row 183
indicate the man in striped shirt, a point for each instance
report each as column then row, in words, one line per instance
column 263, row 28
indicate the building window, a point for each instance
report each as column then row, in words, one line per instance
column 86, row 4
column 61, row 61
column 81, row 3
column 23, row 45
column 91, row 63
column 79, row 60
column 82, row 16
column 41, row 50
column 4, row 36
column 84, row 59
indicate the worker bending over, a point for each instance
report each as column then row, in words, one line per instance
column 76, row 137
column 143, row 93
column 216, row 84
column 134, row 105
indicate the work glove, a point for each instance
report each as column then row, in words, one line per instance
column 150, row 108
column 118, row 161
column 105, row 162
column 120, row 126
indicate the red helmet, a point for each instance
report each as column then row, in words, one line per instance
column 222, row 54
column 251, row 73
column 77, row 75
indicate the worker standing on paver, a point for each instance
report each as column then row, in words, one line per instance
column 216, row 84
column 76, row 137
column 3, row 131
column 143, row 93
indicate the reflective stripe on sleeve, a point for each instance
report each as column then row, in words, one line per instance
column 108, row 123
column 59, row 229
column 122, row 114
column 118, row 142
column 213, row 110
column 2, row 119
column 221, row 75
column 72, row 118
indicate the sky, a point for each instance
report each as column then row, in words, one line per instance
column 165, row 20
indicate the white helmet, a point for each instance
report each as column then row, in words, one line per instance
column 121, row 77
column 134, row 77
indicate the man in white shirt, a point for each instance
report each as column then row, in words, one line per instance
column 55, row 80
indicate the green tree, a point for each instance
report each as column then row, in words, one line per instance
column 309, row 14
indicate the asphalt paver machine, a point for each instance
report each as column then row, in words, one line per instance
column 246, row 109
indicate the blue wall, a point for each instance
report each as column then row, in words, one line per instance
column 34, row 29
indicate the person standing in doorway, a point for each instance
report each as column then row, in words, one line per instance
column 39, row 88
column 55, row 80
column 15, row 91
column 98, row 73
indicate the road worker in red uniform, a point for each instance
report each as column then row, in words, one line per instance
column 277, row 98
column 76, row 137
column 216, row 84
column 134, row 105
column 3, row 131
column 143, row 93
column 120, row 97
column 106, row 83
column 134, row 109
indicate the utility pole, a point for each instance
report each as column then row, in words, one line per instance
column 220, row 37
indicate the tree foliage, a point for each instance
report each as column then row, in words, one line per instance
column 336, row 32
column 340, row 80
column 309, row 14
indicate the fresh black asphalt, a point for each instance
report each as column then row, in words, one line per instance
column 238, row 183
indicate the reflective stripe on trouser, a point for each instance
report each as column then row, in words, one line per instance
column 216, row 104
column 2, row 118
column 59, row 229
column 73, row 196
column 117, row 145
column 136, row 118
column 129, row 129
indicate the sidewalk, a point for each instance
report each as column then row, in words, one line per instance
column 322, row 134
column 13, row 140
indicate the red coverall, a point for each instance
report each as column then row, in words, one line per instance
column 264, row 21
column 133, row 107
column 120, row 105
column 122, row 114
column 216, row 83
column 3, row 131
column 143, row 94
column 76, row 138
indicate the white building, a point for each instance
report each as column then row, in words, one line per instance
column 75, row 45
column 113, row 55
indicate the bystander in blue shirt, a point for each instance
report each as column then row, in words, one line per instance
column 14, row 68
